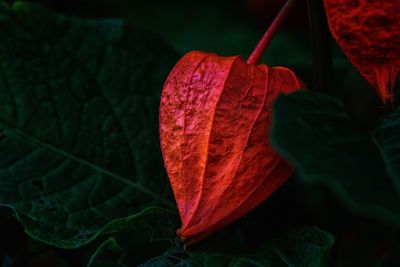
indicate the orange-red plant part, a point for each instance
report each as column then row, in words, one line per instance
column 368, row 31
column 215, row 117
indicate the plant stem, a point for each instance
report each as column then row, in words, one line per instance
column 265, row 40
column 321, row 44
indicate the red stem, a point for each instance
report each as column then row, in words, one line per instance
column 265, row 40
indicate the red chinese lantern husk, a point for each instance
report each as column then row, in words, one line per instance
column 215, row 117
column 368, row 31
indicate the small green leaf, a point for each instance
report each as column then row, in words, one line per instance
column 161, row 222
column 107, row 255
column 138, row 234
column 78, row 122
column 301, row 247
column 330, row 149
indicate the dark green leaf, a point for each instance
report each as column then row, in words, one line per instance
column 134, row 234
column 387, row 138
column 329, row 148
column 162, row 224
column 147, row 241
column 107, row 255
column 78, row 122
column 306, row 246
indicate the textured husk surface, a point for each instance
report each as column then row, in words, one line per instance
column 215, row 117
column 368, row 31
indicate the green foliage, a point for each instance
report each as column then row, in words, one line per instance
column 107, row 255
column 78, row 122
column 329, row 148
column 387, row 138
column 306, row 246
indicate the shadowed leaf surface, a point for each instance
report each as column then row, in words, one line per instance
column 78, row 122
column 330, row 149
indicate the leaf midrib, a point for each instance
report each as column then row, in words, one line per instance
column 25, row 136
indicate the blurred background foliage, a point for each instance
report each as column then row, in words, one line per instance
column 231, row 27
